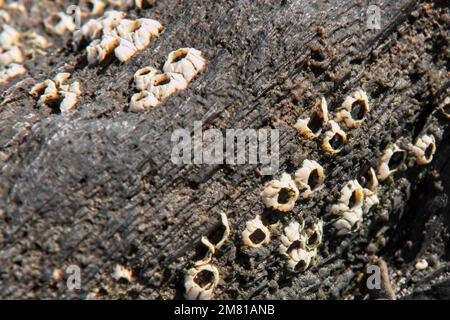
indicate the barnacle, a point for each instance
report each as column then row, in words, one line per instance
column 121, row 272
column 349, row 207
column 200, row 281
column 353, row 109
column 255, row 233
column 98, row 50
column 69, row 101
column 312, row 126
column 36, row 40
column 369, row 180
column 59, row 23
column 92, row 7
column 424, row 149
column 143, row 78
column 13, row 55
column 370, row 199
column 13, row 70
column 125, row 50
column 391, row 160
column 300, row 259
column 221, row 235
column 334, row 138
column 309, row 178
column 314, row 234
column 445, row 107
column 280, row 194
column 165, row 84
column 144, row 99
column 8, row 36
column 210, row 250
column 292, row 238
column 186, row 61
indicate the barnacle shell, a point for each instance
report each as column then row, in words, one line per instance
column 143, row 78
column 311, row 127
column 211, row 249
column 186, row 61
column 200, row 282
column 37, row 40
column 13, row 70
column 332, row 136
column 272, row 191
column 92, row 7
column 59, row 23
column 125, row 50
column 424, row 149
column 165, row 84
column 369, row 180
column 8, row 37
column 98, row 50
column 353, row 109
column 352, row 198
column 69, row 101
column 300, row 259
column 309, row 178
column 370, row 199
column 255, row 233
column 144, row 99
column 13, row 55
column 226, row 230
column 120, row 272
column 393, row 153
column 314, row 235
column 292, row 235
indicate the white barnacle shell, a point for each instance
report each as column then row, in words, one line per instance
column 89, row 31
column 37, row 40
column 110, row 20
column 334, row 138
column 391, row 159
column 342, row 227
column 292, row 238
column 121, row 272
column 59, row 23
column 424, row 149
column 351, row 198
column 143, row 78
column 144, row 99
column 309, row 178
column 61, row 77
column 8, row 37
column 98, row 50
column 200, row 282
column 445, row 107
column 300, row 259
column 255, row 234
column 314, row 235
column 186, row 61
column 150, row 25
column 211, row 249
column 370, row 199
column 369, row 180
column 125, row 50
column 311, row 127
column 15, row 70
column 13, row 55
column 353, row 109
column 280, row 194
column 226, row 230
column 92, row 7
column 69, row 101
column 165, row 84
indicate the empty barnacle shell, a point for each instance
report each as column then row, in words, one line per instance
column 300, row 259
column 311, row 127
column 165, row 84
column 309, row 178
column 59, row 23
column 92, row 7
column 125, row 50
column 144, row 99
column 391, row 160
column 13, row 70
column 292, row 238
column 342, row 227
column 36, row 40
column 351, row 198
column 200, row 282
column 314, row 235
column 369, row 180
column 61, row 77
column 143, row 78
column 98, row 50
column 334, row 138
column 255, row 233
column 280, row 194
column 13, row 55
column 186, row 61
column 445, row 107
column 353, row 109
column 210, row 250
column 221, row 234
column 424, row 149
column 89, row 31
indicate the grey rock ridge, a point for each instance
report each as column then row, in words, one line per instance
column 95, row 187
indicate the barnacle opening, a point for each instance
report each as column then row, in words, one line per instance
column 204, row 279
column 301, row 266
column 396, row 160
column 429, row 151
column 285, row 195
column 179, row 55
column 358, row 110
column 314, row 179
column 297, row 244
column 162, row 80
column 257, row 237
column 337, row 141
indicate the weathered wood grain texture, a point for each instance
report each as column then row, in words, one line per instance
column 96, row 187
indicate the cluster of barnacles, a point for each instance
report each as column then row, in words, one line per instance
column 299, row 244
column 113, row 33
column 54, row 92
column 180, row 68
column 203, row 277
column 352, row 113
